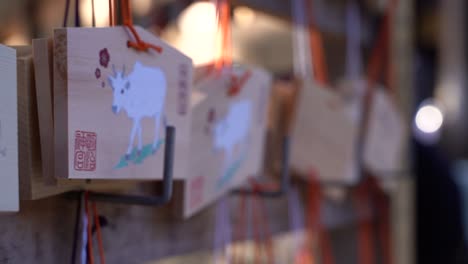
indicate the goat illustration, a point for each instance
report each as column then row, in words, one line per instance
column 233, row 129
column 141, row 94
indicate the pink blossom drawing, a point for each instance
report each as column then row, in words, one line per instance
column 97, row 73
column 104, row 57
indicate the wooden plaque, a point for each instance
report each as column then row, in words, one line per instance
column 228, row 134
column 9, row 197
column 111, row 104
column 43, row 77
column 383, row 145
column 33, row 184
column 324, row 136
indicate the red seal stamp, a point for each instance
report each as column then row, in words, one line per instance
column 85, row 151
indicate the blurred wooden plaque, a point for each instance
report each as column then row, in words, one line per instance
column 384, row 142
column 228, row 134
column 324, row 136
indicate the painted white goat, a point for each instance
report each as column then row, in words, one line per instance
column 142, row 93
column 233, row 128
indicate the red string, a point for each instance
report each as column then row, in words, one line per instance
column 240, row 229
column 99, row 236
column 111, row 13
column 319, row 64
column 362, row 199
column 138, row 44
column 224, row 23
column 90, row 233
column 256, row 230
column 224, row 58
column 368, row 197
column 381, row 203
column 237, row 83
column 263, row 240
column 261, row 230
column 315, row 226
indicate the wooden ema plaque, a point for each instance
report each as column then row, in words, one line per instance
column 9, row 197
column 384, row 141
column 111, row 105
column 228, row 134
column 324, row 136
column 33, row 184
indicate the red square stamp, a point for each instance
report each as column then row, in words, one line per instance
column 85, row 151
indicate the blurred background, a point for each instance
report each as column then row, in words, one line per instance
column 428, row 47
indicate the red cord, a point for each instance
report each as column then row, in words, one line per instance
column 362, row 203
column 224, row 24
column 99, row 235
column 138, row 44
column 237, row 83
column 224, row 59
column 111, row 13
column 382, row 205
column 261, row 227
column 315, row 226
column 241, row 229
column 319, row 64
column 90, row 233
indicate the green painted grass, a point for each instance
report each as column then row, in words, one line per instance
column 231, row 171
column 146, row 152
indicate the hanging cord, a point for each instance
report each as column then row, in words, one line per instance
column 261, row 229
column 383, row 210
column 319, row 64
column 223, row 60
column 90, row 256
column 93, row 17
column 111, row 13
column 138, row 44
column 365, row 214
column 296, row 222
column 371, row 201
column 241, row 229
column 316, row 228
column 76, row 231
column 65, row 17
column 93, row 215
column 260, row 218
column 97, row 223
column 222, row 231
column 77, row 13
column 353, row 41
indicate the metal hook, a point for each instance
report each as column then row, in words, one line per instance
column 147, row 200
column 284, row 185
